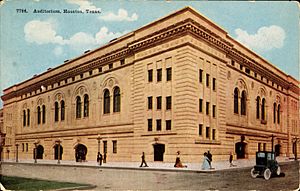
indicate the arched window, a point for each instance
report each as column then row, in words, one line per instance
column 56, row 109
column 263, row 107
column 62, row 110
column 236, row 100
column 39, row 114
column 278, row 114
column 257, row 107
column 106, row 103
column 243, row 103
column 274, row 112
column 86, row 106
column 28, row 117
column 44, row 113
column 117, row 99
column 24, row 118
column 78, row 107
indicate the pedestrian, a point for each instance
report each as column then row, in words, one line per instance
column 178, row 163
column 205, row 164
column 99, row 158
column 143, row 160
column 209, row 156
column 231, row 160
column 104, row 157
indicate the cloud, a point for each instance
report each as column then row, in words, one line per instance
column 83, row 4
column 42, row 32
column 266, row 38
column 121, row 16
column 58, row 51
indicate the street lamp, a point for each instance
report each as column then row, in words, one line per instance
column 17, row 146
column 36, row 142
column 58, row 141
column 272, row 142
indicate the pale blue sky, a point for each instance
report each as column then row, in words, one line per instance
column 32, row 42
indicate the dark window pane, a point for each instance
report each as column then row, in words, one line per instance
column 168, row 124
column 150, row 75
column 168, row 103
column 158, row 124
column 150, row 125
column 150, row 104
column 169, row 74
column 106, row 103
column 158, row 102
column 117, row 100
column 159, row 74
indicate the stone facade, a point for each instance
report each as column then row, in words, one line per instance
column 179, row 83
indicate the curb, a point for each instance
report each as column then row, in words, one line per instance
column 77, row 188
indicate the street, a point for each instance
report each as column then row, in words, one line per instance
column 147, row 178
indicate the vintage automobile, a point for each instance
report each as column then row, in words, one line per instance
column 266, row 165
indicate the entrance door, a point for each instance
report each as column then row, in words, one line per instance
column 39, row 152
column 159, row 150
column 240, row 150
column 56, row 152
column 80, row 153
column 277, row 150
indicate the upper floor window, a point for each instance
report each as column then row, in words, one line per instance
column 24, row 118
column 62, row 110
column 56, row 109
column 117, row 99
column 169, row 74
column 150, row 125
column 78, row 107
column 158, row 102
column 263, row 107
column 110, row 66
column 200, row 76
column 114, row 146
column 44, row 114
column 28, row 117
column 150, row 104
column 106, row 103
column 168, row 124
column 168, row 103
column 278, row 114
column 159, row 74
column 85, row 105
column 207, row 80
column 236, row 101
column 257, row 107
column 39, row 115
column 214, row 84
column 150, row 75
column 274, row 112
column 200, row 105
column 243, row 103
column 122, row 62
column 207, row 108
column 214, row 111
column 158, row 124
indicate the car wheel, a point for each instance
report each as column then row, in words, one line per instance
column 253, row 173
column 278, row 171
column 267, row 174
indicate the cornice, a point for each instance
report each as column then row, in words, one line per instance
column 182, row 28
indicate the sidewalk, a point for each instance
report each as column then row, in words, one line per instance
column 217, row 165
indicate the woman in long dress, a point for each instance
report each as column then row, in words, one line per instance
column 205, row 164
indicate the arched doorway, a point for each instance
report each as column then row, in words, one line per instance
column 277, row 150
column 56, row 152
column 80, row 152
column 159, row 150
column 240, row 148
column 39, row 152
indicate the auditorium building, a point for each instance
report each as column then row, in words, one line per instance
column 180, row 83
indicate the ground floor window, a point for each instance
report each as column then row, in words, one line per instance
column 80, row 153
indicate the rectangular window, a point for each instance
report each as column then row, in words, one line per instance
column 265, row 145
column 241, row 67
column 200, row 105
column 104, row 146
column 213, row 134
column 150, row 75
column 168, row 103
column 150, row 104
column 110, row 66
column 169, row 74
column 158, row 102
column 26, row 147
column 150, row 125
column 200, row 129
column 214, row 84
column 73, row 79
column 100, row 69
column 207, row 80
column 259, row 147
column 207, row 132
column 214, row 110
column 158, row 125
column 207, row 108
column 122, row 62
column 232, row 62
column 23, row 147
column 91, row 72
column 81, row 75
column 159, row 73
column 247, row 70
column 168, row 124
column 200, row 75
column 114, row 146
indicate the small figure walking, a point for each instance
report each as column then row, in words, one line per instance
column 209, row 156
column 178, row 163
column 143, row 160
column 205, row 164
column 99, row 158
column 231, row 160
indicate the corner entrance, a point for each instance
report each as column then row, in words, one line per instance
column 80, row 152
column 240, row 148
column 159, row 150
column 56, row 152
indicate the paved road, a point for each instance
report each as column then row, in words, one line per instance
column 154, row 179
